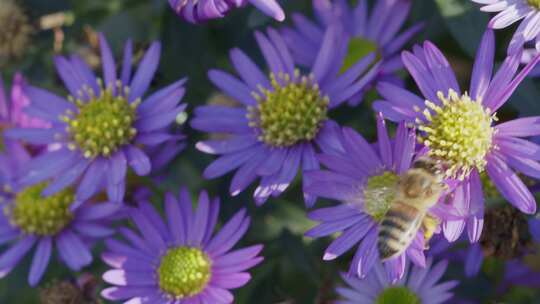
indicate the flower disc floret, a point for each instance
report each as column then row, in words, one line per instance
column 458, row 132
column 103, row 124
column 292, row 111
column 43, row 216
column 379, row 194
column 397, row 294
column 184, row 272
column 534, row 3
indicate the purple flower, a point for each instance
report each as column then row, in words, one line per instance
column 282, row 118
column 13, row 105
column 100, row 128
column 458, row 128
column 511, row 11
column 29, row 219
column 178, row 260
column 376, row 30
column 420, row 285
column 362, row 177
column 197, row 11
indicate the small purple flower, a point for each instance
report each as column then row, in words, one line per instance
column 376, row 30
column 419, row 285
column 28, row 219
column 197, row 11
column 282, row 117
column 458, row 128
column 179, row 260
column 362, row 177
column 13, row 105
column 511, row 11
column 102, row 127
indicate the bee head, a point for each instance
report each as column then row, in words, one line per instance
column 419, row 186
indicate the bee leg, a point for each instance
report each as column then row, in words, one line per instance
column 429, row 226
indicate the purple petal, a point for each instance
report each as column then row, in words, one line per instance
column 145, row 72
column 16, row 252
column 474, row 260
column 151, row 235
column 174, row 219
column 232, row 87
column 138, row 160
column 73, row 251
column 126, row 63
column 163, row 100
column 367, row 253
column 483, row 66
column 270, row 8
column 521, row 127
column 248, row 71
column 92, row 179
column 510, row 185
column 348, row 239
column 109, row 67
column 385, row 147
column 229, row 162
column 40, row 261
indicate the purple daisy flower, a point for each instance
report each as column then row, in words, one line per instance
column 420, row 285
column 101, row 127
column 459, row 129
column 368, row 30
column 362, row 176
column 511, row 11
column 197, row 11
column 12, row 106
column 29, row 219
column 179, row 261
column 282, row 117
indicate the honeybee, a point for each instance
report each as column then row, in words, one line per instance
column 417, row 190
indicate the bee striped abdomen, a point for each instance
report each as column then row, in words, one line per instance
column 397, row 230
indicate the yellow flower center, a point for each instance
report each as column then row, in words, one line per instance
column 292, row 111
column 397, row 294
column 103, row 124
column 379, row 194
column 43, row 216
column 184, row 272
column 459, row 133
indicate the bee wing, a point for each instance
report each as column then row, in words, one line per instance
column 357, row 199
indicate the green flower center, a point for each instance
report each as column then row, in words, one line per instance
column 103, row 124
column 357, row 49
column 43, row 216
column 459, row 132
column 379, row 194
column 397, row 294
column 534, row 3
column 292, row 111
column 184, row 271
column 16, row 30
